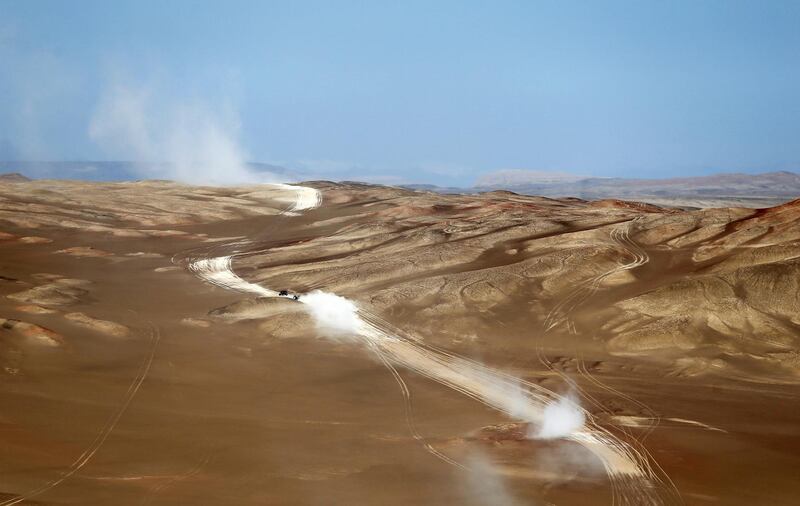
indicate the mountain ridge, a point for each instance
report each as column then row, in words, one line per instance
column 716, row 190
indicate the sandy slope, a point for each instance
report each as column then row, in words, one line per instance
column 678, row 329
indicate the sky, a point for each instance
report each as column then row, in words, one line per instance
column 426, row 92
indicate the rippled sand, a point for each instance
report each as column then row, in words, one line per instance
column 677, row 329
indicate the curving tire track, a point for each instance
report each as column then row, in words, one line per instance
column 105, row 431
column 560, row 312
column 625, row 492
column 633, row 480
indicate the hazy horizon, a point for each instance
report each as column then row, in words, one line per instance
column 127, row 170
column 411, row 93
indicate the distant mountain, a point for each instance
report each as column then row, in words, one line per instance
column 718, row 190
column 770, row 184
column 13, row 177
column 111, row 171
column 516, row 177
column 436, row 189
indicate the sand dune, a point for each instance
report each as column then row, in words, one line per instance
column 676, row 331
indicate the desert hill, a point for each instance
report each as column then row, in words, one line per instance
column 13, row 177
column 679, row 328
column 718, row 190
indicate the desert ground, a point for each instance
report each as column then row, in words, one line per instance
column 149, row 354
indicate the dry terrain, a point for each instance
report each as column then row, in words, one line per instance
column 146, row 356
column 767, row 189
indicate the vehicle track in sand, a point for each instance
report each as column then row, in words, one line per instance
column 633, row 481
column 560, row 313
column 105, row 431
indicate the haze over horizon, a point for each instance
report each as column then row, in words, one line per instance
column 414, row 93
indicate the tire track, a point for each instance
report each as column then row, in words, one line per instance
column 105, row 432
column 560, row 313
column 632, row 479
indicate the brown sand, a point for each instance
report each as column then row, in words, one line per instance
column 680, row 328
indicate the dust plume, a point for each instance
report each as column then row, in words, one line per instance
column 561, row 418
column 484, row 484
column 187, row 140
column 335, row 316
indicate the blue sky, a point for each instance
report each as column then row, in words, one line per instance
column 432, row 91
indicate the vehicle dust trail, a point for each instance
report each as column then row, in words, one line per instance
column 519, row 399
column 560, row 314
column 305, row 197
column 102, row 436
column 632, row 479
column 218, row 271
column 628, row 469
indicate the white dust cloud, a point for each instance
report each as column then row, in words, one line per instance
column 561, row 418
column 335, row 316
column 187, row 140
column 484, row 485
column 517, row 403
